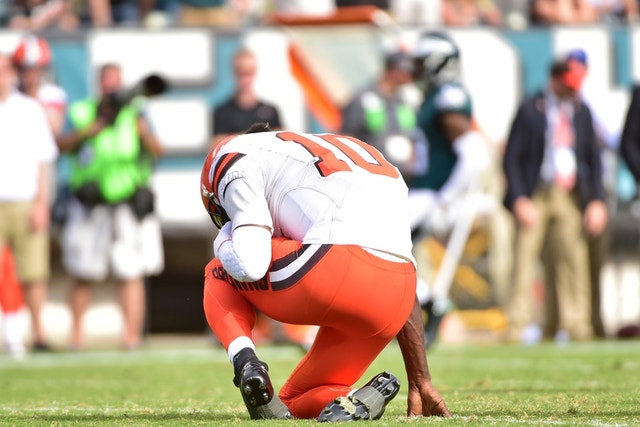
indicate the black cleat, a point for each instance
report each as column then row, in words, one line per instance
column 274, row 410
column 386, row 384
column 344, row 409
column 366, row 403
column 255, row 384
column 252, row 378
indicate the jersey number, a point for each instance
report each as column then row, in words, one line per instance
column 327, row 163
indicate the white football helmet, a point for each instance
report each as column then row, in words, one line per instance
column 437, row 59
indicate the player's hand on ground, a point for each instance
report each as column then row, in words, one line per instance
column 425, row 400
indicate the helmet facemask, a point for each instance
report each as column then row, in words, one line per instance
column 216, row 212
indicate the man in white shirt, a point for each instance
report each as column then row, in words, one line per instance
column 27, row 150
column 32, row 58
column 300, row 240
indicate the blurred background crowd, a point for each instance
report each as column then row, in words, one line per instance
column 467, row 97
column 69, row 15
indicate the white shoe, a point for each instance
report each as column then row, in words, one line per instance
column 18, row 350
column 531, row 334
column 13, row 326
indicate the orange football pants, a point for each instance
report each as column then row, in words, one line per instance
column 359, row 301
column 10, row 291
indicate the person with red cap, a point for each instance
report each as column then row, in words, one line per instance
column 607, row 135
column 32, row 59
column 27, row 152
column 555, row 192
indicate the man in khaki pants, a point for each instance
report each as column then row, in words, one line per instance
column 554, row 190
column 27, row 149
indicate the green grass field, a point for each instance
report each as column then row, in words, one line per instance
column 185, row 384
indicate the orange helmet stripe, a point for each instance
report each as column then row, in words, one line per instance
column 220, row 169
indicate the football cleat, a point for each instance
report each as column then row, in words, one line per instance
column 274, row 410
column 255, row 384
column 366, row 403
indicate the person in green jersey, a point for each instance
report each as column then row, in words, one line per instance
column 457, row 156
column 111, row 228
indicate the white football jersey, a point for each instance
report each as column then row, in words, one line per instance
column 324, row 189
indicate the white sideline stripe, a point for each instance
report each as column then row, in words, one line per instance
column 512, row 420
column 107, row 410
column 143, row 356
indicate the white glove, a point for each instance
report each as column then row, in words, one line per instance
column 224, row 235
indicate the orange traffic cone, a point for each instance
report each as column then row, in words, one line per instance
column 10, row 291
column 11, row 302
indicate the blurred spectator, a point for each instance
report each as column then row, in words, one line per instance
column 244, row 108
column 382, row 4
column 26, row 156
column 616, row 10
column 563, row 12
column 31, row 58
column 554, row 190
column 212, row 13
column 416, row 12
column 111, row 226
column 379, row 115
column 457, row 157
column 462, row 13
column 598, row 246
column 107, row 13
column 35, row 15
column 516, row 13
column 630, row 140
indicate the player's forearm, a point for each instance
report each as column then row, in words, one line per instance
column 44, row 173
column 473, row 160
column 149, row 140
column 56, row 121
column 411, row 342
column 245, row 253
column 70, row 140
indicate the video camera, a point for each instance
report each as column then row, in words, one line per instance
column 111, row 104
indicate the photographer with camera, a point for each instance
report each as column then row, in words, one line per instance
column 111, row 227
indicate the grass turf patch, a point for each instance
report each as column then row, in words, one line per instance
column 580, row 384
